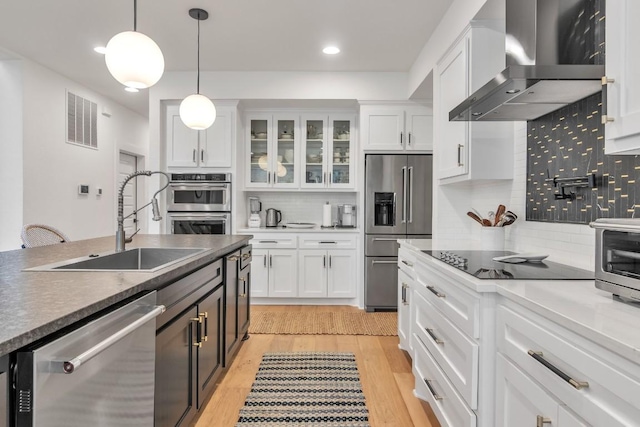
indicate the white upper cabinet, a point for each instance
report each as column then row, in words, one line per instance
column 210, row 148
column 272, row 151
column 328, row 151
column 470, row 151
column 396, row 128
column 622, row 93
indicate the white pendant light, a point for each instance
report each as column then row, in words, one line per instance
column 197, row 111
column 133, row 58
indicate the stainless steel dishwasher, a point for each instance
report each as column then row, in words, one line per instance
column 101, row 374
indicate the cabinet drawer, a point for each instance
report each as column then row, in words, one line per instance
column 520, row 401
column 432, row 386
column 456, row 354
column 274, row 242
column 460, row 306
column 245, row 256
column 183, row 293
column 610, row 395
column 330, row 241
column 406, row 262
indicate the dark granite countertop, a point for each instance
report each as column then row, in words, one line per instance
column 34, row 304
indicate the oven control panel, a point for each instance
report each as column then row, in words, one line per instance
column 201, row 177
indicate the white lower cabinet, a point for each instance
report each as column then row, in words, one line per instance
column 406, row 283
column 405, row 289
column 273, row 273
column 455, row 353
column 520, row 401
column 433, row 387
column 301, row 265
column 597, row 385
column 325, row 273
column 482, row 359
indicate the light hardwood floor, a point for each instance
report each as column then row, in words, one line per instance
column 385, row 374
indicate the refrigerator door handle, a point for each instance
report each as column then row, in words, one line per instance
column 410, row 194
column 404, row 194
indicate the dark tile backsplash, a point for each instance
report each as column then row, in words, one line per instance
column 570, row 143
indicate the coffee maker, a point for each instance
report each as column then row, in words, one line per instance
column 346, row 216
column 255, row 206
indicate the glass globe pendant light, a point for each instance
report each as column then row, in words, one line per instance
column 133, row 58
column 197, row 111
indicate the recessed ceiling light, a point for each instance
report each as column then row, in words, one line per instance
column 100, row 49
column 131, row 89
column 331, row 50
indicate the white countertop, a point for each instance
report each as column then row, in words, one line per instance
column 574, row 304
column 280, row 229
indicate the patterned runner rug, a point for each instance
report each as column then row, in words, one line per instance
column 316, row 389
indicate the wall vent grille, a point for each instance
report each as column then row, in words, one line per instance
column 82, row 121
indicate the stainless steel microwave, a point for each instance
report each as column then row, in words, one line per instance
column 617, row 260
column 199, row 193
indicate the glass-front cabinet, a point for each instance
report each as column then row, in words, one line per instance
column 327, row 151
column 272, row 151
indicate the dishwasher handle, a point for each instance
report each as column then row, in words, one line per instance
column 71, row 365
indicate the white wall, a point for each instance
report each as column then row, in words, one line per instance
column 458, row 16
column 10, row 154
column 53, row 168
column 566, row 243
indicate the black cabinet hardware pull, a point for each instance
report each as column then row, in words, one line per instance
column 265, row 260
column 328, row 242
column 436, row 292
column 329, row 261
column 433, row 336
column 324, row 261
column 538, row 356
column 409, row 264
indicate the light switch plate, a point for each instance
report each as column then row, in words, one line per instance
column 83, row 189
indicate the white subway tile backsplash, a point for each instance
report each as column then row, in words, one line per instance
column 303, row 207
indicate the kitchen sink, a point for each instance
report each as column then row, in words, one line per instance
column 136, row 259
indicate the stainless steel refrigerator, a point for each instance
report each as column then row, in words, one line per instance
column 398, row 205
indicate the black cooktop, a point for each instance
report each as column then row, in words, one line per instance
column 480, row 264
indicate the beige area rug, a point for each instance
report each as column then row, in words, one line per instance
column 324, row 323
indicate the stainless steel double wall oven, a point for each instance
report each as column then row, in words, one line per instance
column 199, row 203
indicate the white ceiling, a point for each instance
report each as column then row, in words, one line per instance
column 240, row 35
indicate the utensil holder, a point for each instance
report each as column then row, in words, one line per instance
column 492, row 238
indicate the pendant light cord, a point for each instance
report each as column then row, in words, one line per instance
column 135, row 15
column 198, row 79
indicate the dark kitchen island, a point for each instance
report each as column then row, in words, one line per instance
column 35, row 305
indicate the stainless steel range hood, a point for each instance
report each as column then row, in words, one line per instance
column 550, row 55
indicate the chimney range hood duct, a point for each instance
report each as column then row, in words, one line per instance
column 550, row 49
